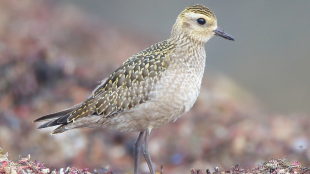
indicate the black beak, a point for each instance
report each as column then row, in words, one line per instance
column 221, row 32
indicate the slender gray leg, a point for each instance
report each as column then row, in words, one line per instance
column 137, row 150
column 146, row 153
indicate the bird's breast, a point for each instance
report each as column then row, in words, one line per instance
column 178, row 90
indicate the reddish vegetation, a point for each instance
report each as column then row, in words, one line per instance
column 25, row 165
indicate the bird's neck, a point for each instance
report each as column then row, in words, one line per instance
column 189, row 55
column 190, row 48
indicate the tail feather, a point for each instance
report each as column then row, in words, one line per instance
column 59, row 129
column 63, row 119
column 44, row 125
column 58, row 118
column 54, row 122
column 58, row 114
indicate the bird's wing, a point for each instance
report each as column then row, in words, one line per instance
column 125, row 88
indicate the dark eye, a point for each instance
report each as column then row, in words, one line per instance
column 201, row 21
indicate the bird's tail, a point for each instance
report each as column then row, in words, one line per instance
column 54, row 119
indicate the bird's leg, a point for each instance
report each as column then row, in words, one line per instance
column 137, row 151
column 145, row 151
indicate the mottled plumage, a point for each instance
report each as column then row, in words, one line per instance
column 200, row 9
column 151, row 88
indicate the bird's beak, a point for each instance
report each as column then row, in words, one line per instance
column 221, row 32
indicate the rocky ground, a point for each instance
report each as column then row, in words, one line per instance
column 26, row 165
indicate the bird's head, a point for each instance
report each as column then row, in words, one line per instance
column 199, row 23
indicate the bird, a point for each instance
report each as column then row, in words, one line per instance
column 151, row 88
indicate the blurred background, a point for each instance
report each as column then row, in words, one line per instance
column 253, row 106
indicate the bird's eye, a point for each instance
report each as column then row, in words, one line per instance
column 201, row 21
